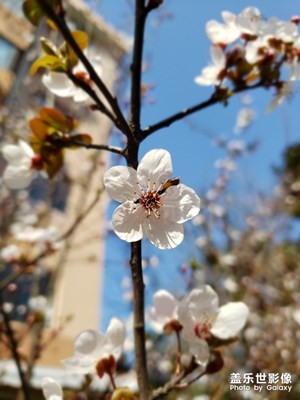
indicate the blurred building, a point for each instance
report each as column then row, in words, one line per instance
column 75, row 273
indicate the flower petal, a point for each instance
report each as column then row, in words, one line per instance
column 116, row 336
column 59, row 84
column 162, row 233
column 200, row 302
column 180, row 204
column 80, row 95
column 230, row 320
column 87, row 342
column 80, row 365
column 164, row 306
column 51, row 388
column 127, row 221
column 17, row 177
column 17, row 154
column 121, row 183
column 200, row 350
column 155, row 168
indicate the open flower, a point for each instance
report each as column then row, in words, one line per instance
column 153, row 204
column 23, row 164
column 59, row 83
column 214, row 73
column 51, row 389
column 202, row 319
column 164, row 312
column 92, row 346
column 223, row 34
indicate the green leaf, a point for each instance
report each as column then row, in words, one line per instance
column 55, row 119
column 39, row 128
column 81, row 38
column 54, row 161
column 49, row 47
column 33, row 11
column 48, row 62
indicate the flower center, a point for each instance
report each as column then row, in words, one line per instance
column 151, row 202
column 202, row 330
column 150, row 199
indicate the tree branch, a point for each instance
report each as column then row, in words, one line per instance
column 188, row 111
column 60, row 22
column 139, row 320
column 84, row 86
column 14, row 349
column 112, row 149
column 136, row 66
column 164, row 390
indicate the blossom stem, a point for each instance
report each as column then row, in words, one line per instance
column 112, row 381
column 179, row 353
column 175, row 382
column 195, row 379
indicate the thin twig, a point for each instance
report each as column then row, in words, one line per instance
column 191, row 110
column 173, row 383
column 61, row 24
column 112, row 149
column 89, row 90
column 14, row 349
column 12, row 277
column 81, row 216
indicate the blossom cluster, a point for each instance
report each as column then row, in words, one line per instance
column 153, row 204
column 246, row 48
column 199, row 319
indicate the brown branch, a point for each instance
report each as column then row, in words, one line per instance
column 87, row 88
column 132, row 161
column 14, row 349
column 61, row 24
column 136, row 66
column 139, row 321
column 188, row 111
column 173, row 383
column 81, row 216
column 11, row 278
column 112, row 149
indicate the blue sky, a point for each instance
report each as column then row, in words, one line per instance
column 175, row 53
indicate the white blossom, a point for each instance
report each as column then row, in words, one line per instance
column 223, row 33
column 92, row 346
column 249, row 21
column 212, row 75
column 164, row 308
column 51, row 389
column 201, row 318
column 153, row 205
column 10, row 253
column 21, row 165
column 284, row 92
column 59, row 83
column 244, row 118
